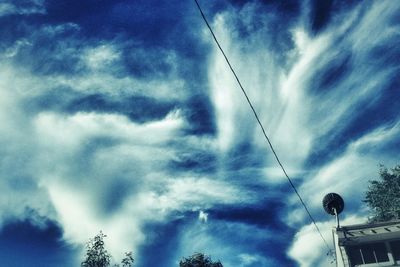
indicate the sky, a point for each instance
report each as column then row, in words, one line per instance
column 123, row 117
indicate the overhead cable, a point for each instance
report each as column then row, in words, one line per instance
column 262, row 128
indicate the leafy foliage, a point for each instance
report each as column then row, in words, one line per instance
column 383, row 196
column 98, row 256
column 128, row 260
column 199, row 260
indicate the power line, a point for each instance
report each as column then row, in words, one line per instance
column 261, row 126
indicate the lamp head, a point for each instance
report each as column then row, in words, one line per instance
column 332, row 202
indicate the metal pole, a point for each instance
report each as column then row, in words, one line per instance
column 337, row 218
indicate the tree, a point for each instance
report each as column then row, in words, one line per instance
column 383, row 195
column 98, row 256
column 128, row 260
column 199, row 260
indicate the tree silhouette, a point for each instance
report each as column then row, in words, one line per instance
column 199, row 260
column 98, row 256
column 128, row 260
column 383, row 195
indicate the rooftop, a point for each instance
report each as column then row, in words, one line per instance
column 361, row 233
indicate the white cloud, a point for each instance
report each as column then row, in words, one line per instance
column 251, row 260
column 22, row 197
column 77, row 214
column 211, row 239
column 204, row 191
column 101, row 171
column 348, row 174
column 72, row 177
column 61, row 141
column 75, row 128
column 62, row 177
column 308, row 248
column 248, row 259
column 93, row 68
column 300, row 114
column 203, row 216
column 138, row 159
column 7, row 7
column 101, row 57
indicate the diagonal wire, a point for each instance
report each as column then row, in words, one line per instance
column 262, row 127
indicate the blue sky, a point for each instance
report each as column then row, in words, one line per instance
column 122, row 116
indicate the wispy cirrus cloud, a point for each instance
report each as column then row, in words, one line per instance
column 320, row 104
column 134, row 125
